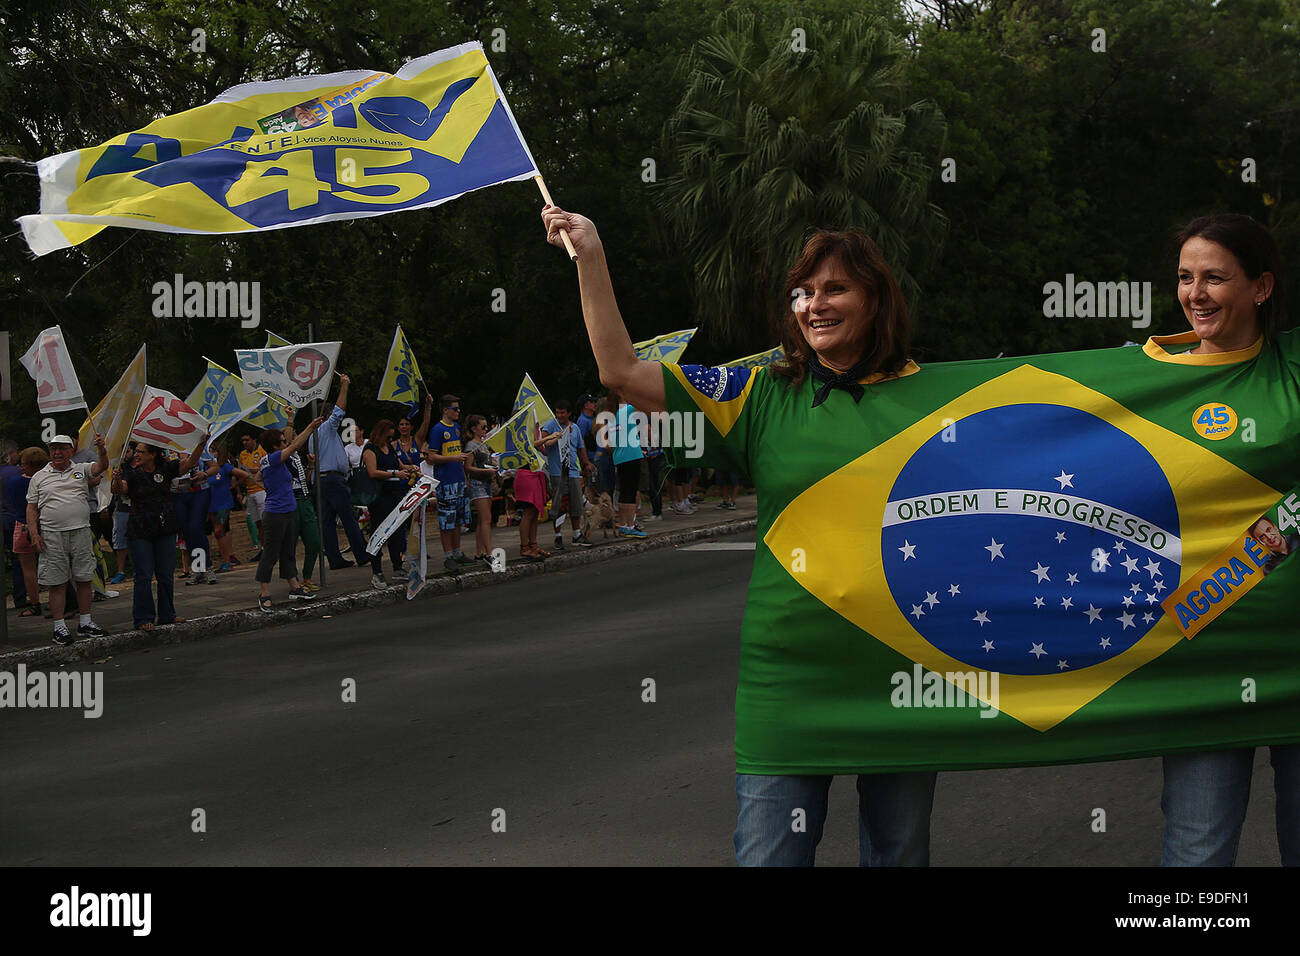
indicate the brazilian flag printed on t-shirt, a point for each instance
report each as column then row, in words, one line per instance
column 973, row 565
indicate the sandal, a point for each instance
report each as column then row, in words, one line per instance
column 265, row 603
column 31, row 610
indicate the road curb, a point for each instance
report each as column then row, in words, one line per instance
column 242, row 621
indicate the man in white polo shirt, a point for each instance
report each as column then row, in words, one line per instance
column 58, row 517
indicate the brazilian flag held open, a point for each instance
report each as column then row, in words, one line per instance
column 1016, row 561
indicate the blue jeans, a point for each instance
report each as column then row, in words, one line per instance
column 1205, row 797
column 893, row 819
column 153, row 557
column 336, row 502
column 192, row 513
column 606, row 479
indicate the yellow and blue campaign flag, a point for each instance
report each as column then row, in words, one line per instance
column 513, row 442
column 273, row 411
column 527, row 394
column 758, row 359
column 664, row 348
column 401, row 373
column 292, row 152
column 223, row 399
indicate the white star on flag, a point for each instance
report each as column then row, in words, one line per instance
column 1041, row 572
column 1101, row 561
column 1131, row 564
column 1072, row 578
column 1094, row 613
column 1038, row 602
column 954, row 590
column 1119, row 545
column 1148, row 617
column 1067, row 603
column 931, row 598
column 1105, row 642
column 988, row 646
column 1152, row 599
column 1060, row 536
column 994, row 549
column 1126, row 620
column 1128, row 601
column 1062, row 665
column 1064, row 479
column 917, row 612
column 908, row 549
column 1159, row 586
column 1152, row 567
column 981, row 618
column 1037, row 650
column 1135, row 589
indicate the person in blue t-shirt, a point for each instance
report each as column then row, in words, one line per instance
column 566, row 464
column 222, row 502
column 278, row 539
column 449, row 460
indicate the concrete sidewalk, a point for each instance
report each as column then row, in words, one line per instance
column 230, row 605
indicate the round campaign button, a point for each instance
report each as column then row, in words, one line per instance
column 1214, row 421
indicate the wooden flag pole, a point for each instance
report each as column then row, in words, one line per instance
column 564, row 233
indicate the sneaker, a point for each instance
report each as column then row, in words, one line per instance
column 694, row 499
column 629, row 533
column 461, row 557
column 485, row 558
column 720, row 506
column 309, row 586
column 91, row 630
column 581, row 540
column 62, row 637
column 450, row 564
column 343, row 564
column 299, row 594
column 731, row 506
column 235, row 562
column 377, row 582
column 559, row 543
column 199, row 578
column 225, row 568
column 117, row 578
column 654, row 517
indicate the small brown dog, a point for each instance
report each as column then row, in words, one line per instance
column 599, row 514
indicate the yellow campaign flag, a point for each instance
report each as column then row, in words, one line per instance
column 274, row 341
column 664, row 348
column 401, row 373
column 223, row 399
column 292, row 152
column 114, row 415
column 758, row 359
column 528, row 393
column 513, row 442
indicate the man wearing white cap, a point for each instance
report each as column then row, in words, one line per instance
column 58, row 516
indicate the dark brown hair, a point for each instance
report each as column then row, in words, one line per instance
column 269, row 440
column 863, row 261
column 472, row 422
column 1254, row 248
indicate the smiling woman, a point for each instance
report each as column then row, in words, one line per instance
column 787, row 427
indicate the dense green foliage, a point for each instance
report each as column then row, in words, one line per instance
column 1066, row 160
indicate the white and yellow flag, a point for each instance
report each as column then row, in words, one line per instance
column 401, row 374
column 664, row 348
column 114, row 414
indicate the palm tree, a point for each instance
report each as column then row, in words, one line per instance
column 774, row 136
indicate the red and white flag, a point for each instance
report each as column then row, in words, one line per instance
column 50, row 365
column 163, row 419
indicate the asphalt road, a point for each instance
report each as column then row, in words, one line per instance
column 523, row 698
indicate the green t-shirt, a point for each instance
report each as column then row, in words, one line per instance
column 1004, row 532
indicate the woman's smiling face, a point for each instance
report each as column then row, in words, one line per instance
column 1218, row 298
column 835, row 314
